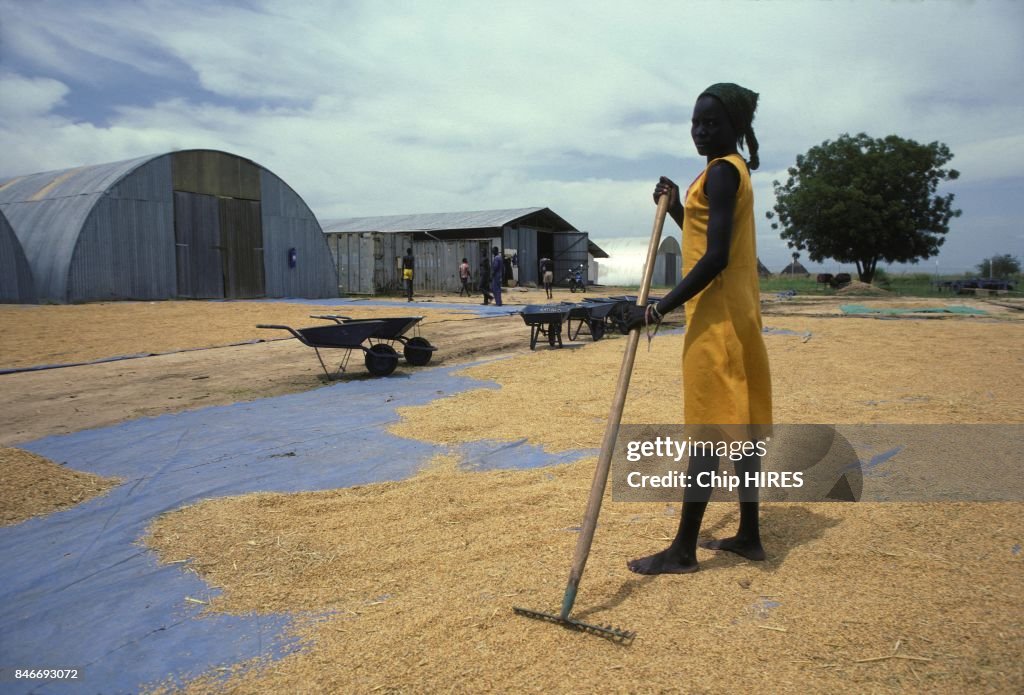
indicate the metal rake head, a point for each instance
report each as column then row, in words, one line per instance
column 615, row 634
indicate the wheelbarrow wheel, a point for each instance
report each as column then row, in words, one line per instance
column 381, row 359
column 597, row 329
column 418, row 351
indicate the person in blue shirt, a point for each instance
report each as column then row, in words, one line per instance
column 485, row 277
column 497, row 274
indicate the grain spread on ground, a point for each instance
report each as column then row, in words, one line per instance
column 32, row 485
column 408, row 586
column 858, row 287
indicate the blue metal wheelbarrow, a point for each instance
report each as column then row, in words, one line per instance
column 598, row 315
column 546, row 320
column 380, row 359
column 416, row 350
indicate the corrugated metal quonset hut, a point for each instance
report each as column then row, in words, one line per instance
column 626, row 258
column 197, row 224
column 368, row 250
column 16, row 285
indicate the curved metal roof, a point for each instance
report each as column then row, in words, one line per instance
column 67, row 183
column 637, row 246
column 47, row 211
column 439, row 221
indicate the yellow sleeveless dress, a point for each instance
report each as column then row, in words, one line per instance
column 725, row 364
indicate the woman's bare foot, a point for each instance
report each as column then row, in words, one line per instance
column 750, row 550
column 665, row 562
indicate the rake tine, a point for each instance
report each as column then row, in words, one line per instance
column 614, row 634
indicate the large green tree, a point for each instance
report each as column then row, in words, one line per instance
column 862, row 200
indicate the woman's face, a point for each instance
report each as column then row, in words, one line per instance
column 710, row 128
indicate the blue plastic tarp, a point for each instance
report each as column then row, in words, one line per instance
column 79, row 589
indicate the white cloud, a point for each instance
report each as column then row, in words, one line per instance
column 370, row 108
column 22, row 97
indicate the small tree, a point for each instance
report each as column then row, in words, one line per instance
column 1000, row 267
column 861, row 200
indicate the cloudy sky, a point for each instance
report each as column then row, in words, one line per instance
column 374, row 108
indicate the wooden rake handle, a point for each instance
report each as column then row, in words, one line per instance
column 611, row 432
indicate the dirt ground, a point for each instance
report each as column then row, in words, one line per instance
column 871, row 597
column 215, row 369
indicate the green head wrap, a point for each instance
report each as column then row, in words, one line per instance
column 740, row 103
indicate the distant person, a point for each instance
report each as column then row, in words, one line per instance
column 497, row 274
column 547, row 271
column 407, row 266
column 464, row 276
column 485, row 277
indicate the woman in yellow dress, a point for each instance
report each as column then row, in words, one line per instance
column 725, row 365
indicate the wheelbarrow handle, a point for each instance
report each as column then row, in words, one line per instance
column 283, row 328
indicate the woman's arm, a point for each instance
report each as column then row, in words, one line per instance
column 720, row 186
column 667, row 186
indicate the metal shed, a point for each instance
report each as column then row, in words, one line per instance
column 367, row 250
column 194, row 224
column 16, row 285
column 626, row 258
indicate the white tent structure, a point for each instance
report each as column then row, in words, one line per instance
column 627, row 255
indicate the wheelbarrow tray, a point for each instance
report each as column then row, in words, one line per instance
column 535, row 314
column 339, row 335
column 547, row 320
column 417, row 350
column 592, row 310
column 631, row 298
column 387, row 328
column 596, row 315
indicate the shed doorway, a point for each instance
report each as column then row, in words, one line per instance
column 219, row 242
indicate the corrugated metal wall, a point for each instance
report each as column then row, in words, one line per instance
column 346, row 250
column 288, row 223
column 216, row 173
column 388, row 250
column 48, row 230
column 125, row 248
column 369, row 262
column 437, row 263
column 16, row 285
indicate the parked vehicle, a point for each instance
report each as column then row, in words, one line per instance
column 577, row 279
